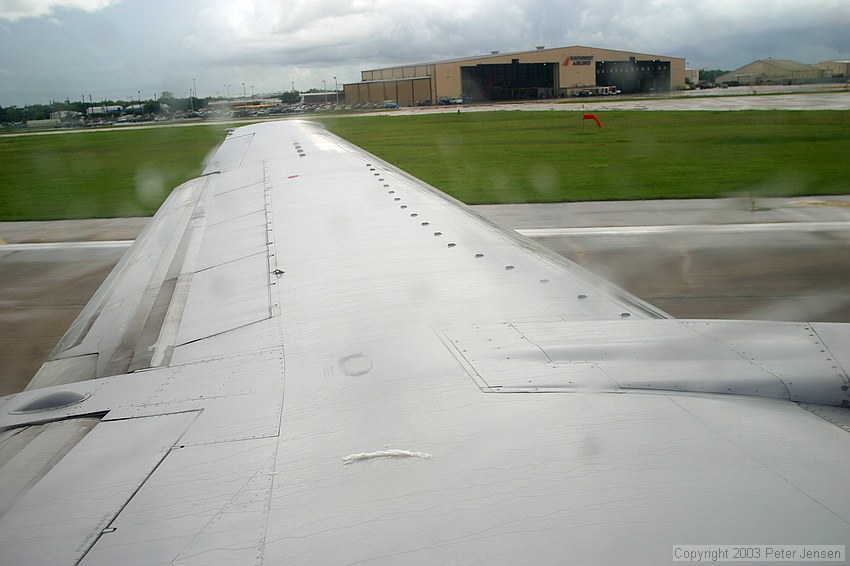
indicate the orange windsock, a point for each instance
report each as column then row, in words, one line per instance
column 593, row 117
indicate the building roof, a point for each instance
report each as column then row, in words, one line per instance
column 784, row 64
column 495, row 54
column 789, row 64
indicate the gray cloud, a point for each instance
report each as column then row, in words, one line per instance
column 113, row 50
column 14, row 10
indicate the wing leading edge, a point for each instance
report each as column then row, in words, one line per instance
column 323, row 359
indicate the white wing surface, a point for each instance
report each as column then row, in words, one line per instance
column 311, row 357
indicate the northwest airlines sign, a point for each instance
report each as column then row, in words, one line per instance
column 578, row 60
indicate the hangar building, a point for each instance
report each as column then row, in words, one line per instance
column 541, row 73
column 773, row 71
column 835, row 69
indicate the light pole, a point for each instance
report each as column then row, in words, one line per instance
column 252, row 91
column 228, row 90
column 140, row 100
column 293, row 85
column 244, row 94
column 325, row 90
column 191, row 102
column 194, row 88
column 336, row 90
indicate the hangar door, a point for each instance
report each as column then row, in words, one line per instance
column 510, row 81
column 634, row 76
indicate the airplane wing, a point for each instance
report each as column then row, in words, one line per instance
column 312, row 357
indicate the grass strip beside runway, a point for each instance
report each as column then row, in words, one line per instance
column 517, row 157
column 99, row 174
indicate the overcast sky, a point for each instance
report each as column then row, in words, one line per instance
column 111, row 49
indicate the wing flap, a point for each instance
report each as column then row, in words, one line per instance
column 226, row 297
column 764, row 359
column 226, row 486
column 65, row 513
column 230, row 154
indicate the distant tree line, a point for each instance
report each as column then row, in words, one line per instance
column 14, row 114
column 166, row 100
column 291, row 97
column 29, row 112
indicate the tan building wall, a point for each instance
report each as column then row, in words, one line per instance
column 835, row 68
column 765, row 71
column 406, row 92
column 405, row 72
column 576, row 68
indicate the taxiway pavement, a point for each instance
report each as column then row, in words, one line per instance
column 779, row 259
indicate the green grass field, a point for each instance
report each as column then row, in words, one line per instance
column 99, row 174
column 482, row 157
column 509, row 157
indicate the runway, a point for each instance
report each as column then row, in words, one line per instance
column 42, row 289
column 785, row 259
column 794, row 273
column 769, row 259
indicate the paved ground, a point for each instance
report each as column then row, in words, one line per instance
column 784, row 259
column 42, row 289
column 776, row 259
column 797, row 97
column 52, row 231
column 48, row 272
